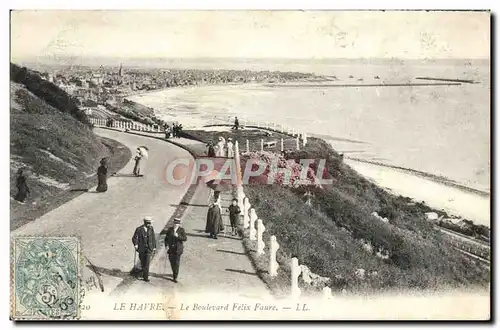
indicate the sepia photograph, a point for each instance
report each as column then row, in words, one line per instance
column 250, row 165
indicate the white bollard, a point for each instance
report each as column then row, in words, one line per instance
column 260, row 242
column 296, row 270
column 246, row 215
column 253, row 218
column 298, row 143
column 304, row 141
column 261, row 145
column 282, row 128
column 282, row 148
column 248, row 146
column 273, row 249
column 327, row 292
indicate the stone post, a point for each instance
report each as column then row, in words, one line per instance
column 282, row 148
column 246, row 215
column 273, row 249
column 260, row 242
column 304, row 141
column 298, row 143
column 261, row 145
column 253, row 218
column 248, row 146
column 296, row 270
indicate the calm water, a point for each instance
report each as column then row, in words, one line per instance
column 442, row 130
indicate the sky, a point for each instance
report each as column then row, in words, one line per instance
column 251, row 34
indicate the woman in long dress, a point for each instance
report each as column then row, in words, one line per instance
column 22, row 187
column 102, row 177
column 220, row 147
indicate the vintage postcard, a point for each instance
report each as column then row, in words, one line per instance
column 250, row 165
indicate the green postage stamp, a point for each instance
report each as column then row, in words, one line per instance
column 45, row 278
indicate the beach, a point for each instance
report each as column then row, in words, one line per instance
column 440, row 130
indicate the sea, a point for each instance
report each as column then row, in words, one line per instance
column 441, row 130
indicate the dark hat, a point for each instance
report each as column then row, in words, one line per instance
column 177, row 220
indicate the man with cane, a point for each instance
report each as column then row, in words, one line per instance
column 144, row 241
column 174, row 240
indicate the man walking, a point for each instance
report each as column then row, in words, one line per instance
column 174, row 240
column 144, row 241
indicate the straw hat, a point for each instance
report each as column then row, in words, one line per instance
column 148, row 219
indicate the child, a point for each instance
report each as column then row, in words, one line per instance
column 234, row 214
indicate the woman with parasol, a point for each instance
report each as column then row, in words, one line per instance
column 22, row 186
column 102, row 176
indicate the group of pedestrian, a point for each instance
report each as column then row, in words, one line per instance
column 102, row 171
column 221, row 149
column 144, row 241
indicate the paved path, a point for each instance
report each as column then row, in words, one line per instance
column 105, row 224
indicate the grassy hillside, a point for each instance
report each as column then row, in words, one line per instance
column 337, row 236
column 55, row 145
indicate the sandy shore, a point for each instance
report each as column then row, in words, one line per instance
column 454, row 201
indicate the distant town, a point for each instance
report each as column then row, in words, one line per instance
column 108, row 86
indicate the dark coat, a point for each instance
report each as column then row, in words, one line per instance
column 102, row 185
column 175, row 244
column 234, row 212
column 214, row 220
column 146, row 244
